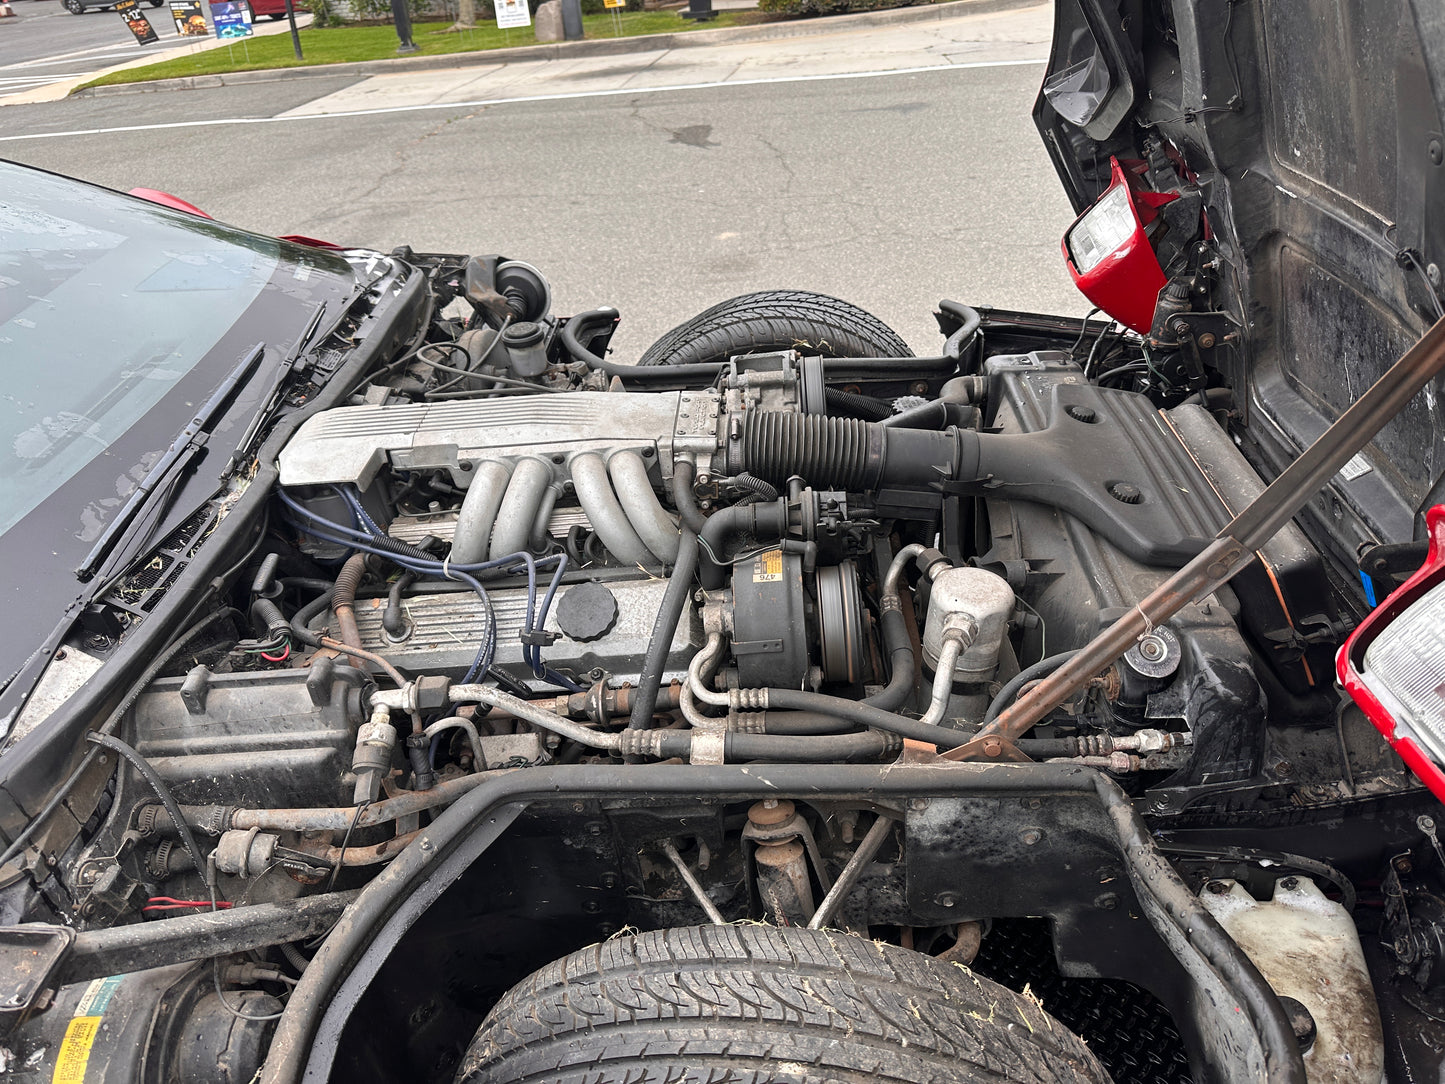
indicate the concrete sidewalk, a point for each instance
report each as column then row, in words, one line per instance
column 55, row 91
column 1018, row 35
column 459, row 68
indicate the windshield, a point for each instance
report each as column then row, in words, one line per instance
column 118, row 320
column 105, row 304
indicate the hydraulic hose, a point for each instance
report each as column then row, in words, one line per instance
column 864, row 715
column 664, row 628
column 1042, row 668
column 301, row 619
column 812, row 749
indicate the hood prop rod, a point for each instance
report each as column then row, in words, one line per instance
column 1233, row 547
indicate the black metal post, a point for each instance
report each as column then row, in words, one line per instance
column 295, row 37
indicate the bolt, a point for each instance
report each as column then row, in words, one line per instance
column 1425, row 823
column 558, row 459
column 992, row 747
column 648, row 453
column 1289, row 884
column 424, row 843
column 591, row 906
column 464, row 467
column 609, row 880
column 1284, row 767
column 1206, row 341
column 1151, row 648
column 96, row 641
column 704, row 479
column 62, row 653
column 594, row 828
column 918, row 804
column 946, row 899
column 1403, row 864
column 1436, row 151
column 1217, row 888
column 918, row 387
column 1106, row 901
column 1432, row 272
column 1030, row 836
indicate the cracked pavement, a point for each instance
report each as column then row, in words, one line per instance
column 649, row 192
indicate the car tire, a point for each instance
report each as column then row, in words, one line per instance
column 761, row 1004
column 75, row 7
column 276, row 16
column 777, row 320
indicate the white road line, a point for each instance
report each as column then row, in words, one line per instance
column 620, row 92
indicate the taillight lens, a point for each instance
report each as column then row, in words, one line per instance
column 1110, row 256
column 1103, row 228
column 1393, row 665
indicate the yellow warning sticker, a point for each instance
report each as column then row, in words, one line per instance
column 75, row 1050
column 768, row 567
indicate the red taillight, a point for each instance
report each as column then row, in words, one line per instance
column 1109, row 254
column 1393, row 664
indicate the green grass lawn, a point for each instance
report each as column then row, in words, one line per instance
column 343, row 44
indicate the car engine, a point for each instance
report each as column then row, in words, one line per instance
column 502, row 556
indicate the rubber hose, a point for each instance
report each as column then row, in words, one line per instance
column 609, row 521
column 864, row 407
column 817, row 749
column 513, row 529
column 268, row 615
column 845, row 453
column 803, row 723
column 472, row 539
column 766, row 490
column 343, row 599
column 866, row 715
column 664, row 628
column 393, row 621
column 644, row 511
column 664, row 374
column 1042, row 668
column 683, row 474
column 764, row 522
column 302, row 618
column 900, row 658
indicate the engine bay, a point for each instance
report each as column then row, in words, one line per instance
column 505, row 557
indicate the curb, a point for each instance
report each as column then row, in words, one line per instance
column 939, row 12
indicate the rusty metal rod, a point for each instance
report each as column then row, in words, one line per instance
column 1235, row 543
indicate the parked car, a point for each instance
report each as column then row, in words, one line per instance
column 80, row 7
column 402, row 688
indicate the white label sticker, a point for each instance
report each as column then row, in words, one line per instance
column 1355, row 468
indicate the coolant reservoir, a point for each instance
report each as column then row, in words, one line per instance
column 1307, row 948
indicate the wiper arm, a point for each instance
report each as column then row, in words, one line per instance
column 182, row 450
column 273, row 393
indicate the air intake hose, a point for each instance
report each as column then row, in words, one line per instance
column 844, row 453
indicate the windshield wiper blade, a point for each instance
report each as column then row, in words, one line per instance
column 188, row 442
column 289, row 364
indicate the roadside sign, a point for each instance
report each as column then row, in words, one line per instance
column 140, row 26
column 232, row 19
column 614, row 3
column 190, row 20
column 512, row 13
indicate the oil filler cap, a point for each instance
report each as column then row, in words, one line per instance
column 586, row 612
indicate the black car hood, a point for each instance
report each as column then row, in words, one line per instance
column 1313, row 132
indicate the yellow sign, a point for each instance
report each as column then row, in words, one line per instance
column 75, row 1050
column 614, row 3
column 768, row 567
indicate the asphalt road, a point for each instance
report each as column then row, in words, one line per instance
column 46, row 43
column 891, row 191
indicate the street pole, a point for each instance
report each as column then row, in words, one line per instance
column 295, row 37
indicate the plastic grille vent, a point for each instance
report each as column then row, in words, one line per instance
column 141, row 592
column 1126, row 1027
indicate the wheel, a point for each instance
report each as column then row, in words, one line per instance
column 276, row 16
column 764, row 1005
column 777, row 320
column 75, row 7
